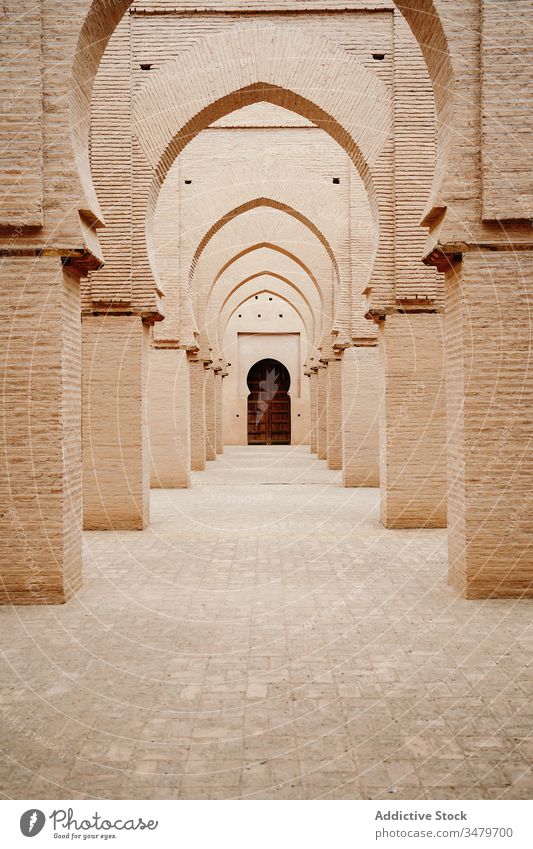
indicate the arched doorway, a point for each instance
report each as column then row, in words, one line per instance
column 269, row 404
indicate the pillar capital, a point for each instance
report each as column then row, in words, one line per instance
column 200, row 354
column 220, row 367
column 500, row 237
column 340, row 341
column 327, row 350
column 331, row 356
column 165, row 344
column 365, row 342
column 148, row 316
column 79, row 259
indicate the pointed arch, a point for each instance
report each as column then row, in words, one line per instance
column 273, row 247
column 255, row 203
column 280, row 267
column 293, row 71
column 99, row 18
column 283, row 297
column 217, row 311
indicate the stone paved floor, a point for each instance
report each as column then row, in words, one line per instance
column 267, row 638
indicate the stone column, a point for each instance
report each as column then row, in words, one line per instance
column 219, row 389
column 334, row 413
column 361, row 397
column 313, row 390
column 322, row 416
column 210, row 415
column 40, row 466
column 197, row 373
column 413, row 422
column 490, row 423
column 116, row 460
column 169, row 418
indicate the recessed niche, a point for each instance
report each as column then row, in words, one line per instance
column 146, row 66
column 336, row 180
column 188, row 182
column 378, row 56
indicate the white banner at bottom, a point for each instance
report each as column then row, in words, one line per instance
column 268, row 824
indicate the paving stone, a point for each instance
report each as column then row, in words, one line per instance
column 289, row 648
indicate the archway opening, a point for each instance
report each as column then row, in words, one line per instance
column 269, row 404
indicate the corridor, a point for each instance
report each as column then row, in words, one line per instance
column 265, row 637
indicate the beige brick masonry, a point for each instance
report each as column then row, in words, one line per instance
column 116, row 470
column 413, row 422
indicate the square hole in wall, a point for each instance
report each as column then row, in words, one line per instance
column 378, row 56
column 336, row 181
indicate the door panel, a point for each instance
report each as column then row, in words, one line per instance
column 269, row 404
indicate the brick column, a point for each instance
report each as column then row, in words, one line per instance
column 116, row 460
column 413, row 422
column 169, row 418
column 361, row 397
column 210, row 415
column 40, row 466
column 334, row 413
column 322, row 416
column 490, row 423
column 313, row 396
column 197, row 375
column 219, row 389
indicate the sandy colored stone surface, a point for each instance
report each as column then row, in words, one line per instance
column 266, row 638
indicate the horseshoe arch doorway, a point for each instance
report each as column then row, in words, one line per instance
column 269, row 404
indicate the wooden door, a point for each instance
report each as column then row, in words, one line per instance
column 269, row 404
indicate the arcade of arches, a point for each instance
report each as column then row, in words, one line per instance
column 266, row 307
